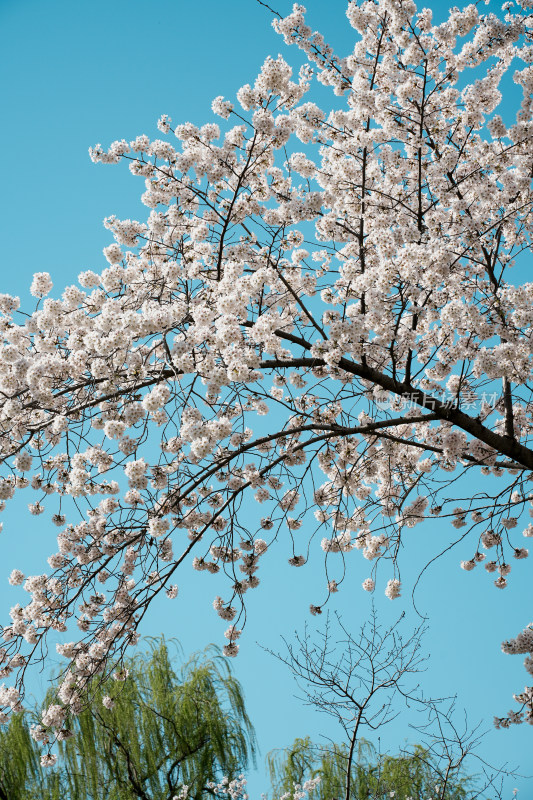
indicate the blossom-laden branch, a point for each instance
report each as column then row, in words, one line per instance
column 344, row 271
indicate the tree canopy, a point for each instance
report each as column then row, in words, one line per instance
column 342, row 269
column 145, row 737
column 411, row 774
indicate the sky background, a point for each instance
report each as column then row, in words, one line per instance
column 78, row 73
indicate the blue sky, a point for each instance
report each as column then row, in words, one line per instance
column 75, row 74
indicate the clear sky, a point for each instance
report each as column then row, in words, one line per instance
column 78, row 73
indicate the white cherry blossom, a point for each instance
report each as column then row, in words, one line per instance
column 341, row 273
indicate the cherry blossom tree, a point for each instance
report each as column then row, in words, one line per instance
column 315, row 330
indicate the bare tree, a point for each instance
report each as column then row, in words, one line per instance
column 359, row 681
column 356, row 680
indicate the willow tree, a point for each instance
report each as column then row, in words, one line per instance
column 411, row 774
column 345, row 269
column 145, row 737
column 22, row 777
